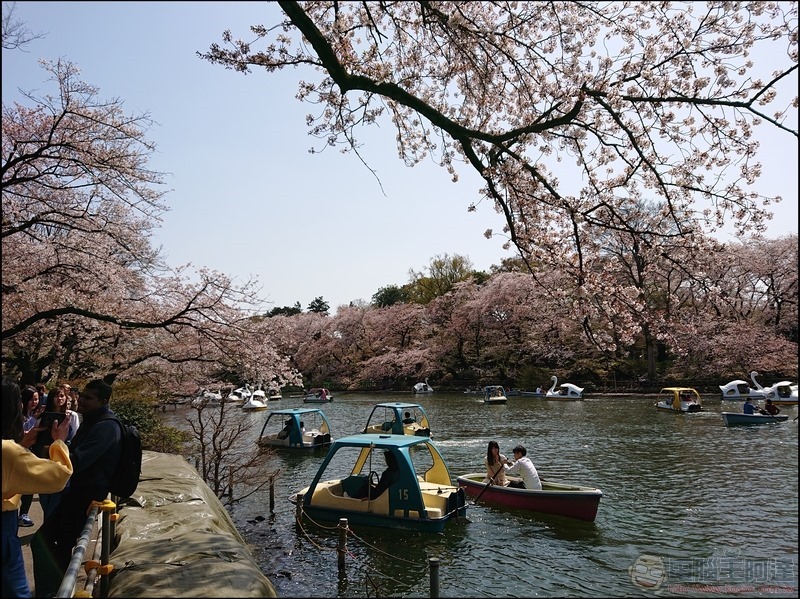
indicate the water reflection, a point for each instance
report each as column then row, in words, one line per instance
column 681, row 487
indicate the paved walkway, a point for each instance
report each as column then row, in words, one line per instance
column 25, row 535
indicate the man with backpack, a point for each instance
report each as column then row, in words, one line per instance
column 95, row 452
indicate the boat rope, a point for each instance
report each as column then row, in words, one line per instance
column 378, row 549
column 363, row 564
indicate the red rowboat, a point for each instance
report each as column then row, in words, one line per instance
column 558, row 499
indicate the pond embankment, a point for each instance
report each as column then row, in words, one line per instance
column 174, row 538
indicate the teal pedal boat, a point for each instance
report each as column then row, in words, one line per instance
column 415, row 491
column 398, row 418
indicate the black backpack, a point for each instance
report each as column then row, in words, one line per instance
column 126, row 476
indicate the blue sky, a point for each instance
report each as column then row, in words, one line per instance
column 247, row 198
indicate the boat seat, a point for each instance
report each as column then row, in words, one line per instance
column 330, row 496
column 353, row 483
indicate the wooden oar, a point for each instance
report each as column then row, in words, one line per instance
column 489, row 484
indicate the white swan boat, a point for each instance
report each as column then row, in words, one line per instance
column 207, row 397
column 240, row 395
column 783, row 393
column 564, row 390
column 738, row 389
column 256, row 402
column 422, row 387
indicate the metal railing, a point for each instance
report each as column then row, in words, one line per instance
column 92, row 568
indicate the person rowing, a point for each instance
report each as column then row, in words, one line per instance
column 770, row 409
column 524, row 467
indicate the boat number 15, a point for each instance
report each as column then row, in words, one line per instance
column 402, row 494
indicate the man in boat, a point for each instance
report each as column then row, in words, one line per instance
column 770, row 409
column 287, row 427
column 524, row 467
column 390, row 476
column 408, row 418
column 748, row 407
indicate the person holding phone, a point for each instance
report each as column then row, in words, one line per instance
column 23, row 472
column 59, row 400
column 95, row 453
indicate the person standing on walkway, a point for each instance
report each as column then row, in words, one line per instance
column 57, row 401
column 32, row 408
column 23, row 472
column 95, row 451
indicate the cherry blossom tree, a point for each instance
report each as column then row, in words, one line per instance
column 84, row 292
column 572, row 113
column 15, row 33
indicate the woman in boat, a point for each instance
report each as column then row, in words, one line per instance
column 524, row 467
column 390, row 476
column 494, row 461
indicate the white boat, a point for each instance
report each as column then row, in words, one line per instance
column 239, row 395
column 783, row 393
column 494, row 394
column 564, row 391
column 207, row 397
column 422, row 387
column 256, row 401
column 679, row 399
column 738, row 390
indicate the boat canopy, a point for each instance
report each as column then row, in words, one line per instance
column 391, row 417
column 400, row 445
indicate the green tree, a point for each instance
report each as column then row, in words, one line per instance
column 389, row 296
column 286, row 310
column 438, row 277
column 319, row 306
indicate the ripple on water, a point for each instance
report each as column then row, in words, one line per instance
column 681, row 487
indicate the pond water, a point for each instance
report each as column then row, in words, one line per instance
column 689, row 505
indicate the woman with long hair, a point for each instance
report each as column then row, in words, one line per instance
column 32, row 407
column 24, row 473
column 59, row 400
column 494, row 461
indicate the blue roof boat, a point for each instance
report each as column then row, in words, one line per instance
column 296, row 428
column 421, row 495
column 398, row 418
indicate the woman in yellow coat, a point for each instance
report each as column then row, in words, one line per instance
column 24, row 473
